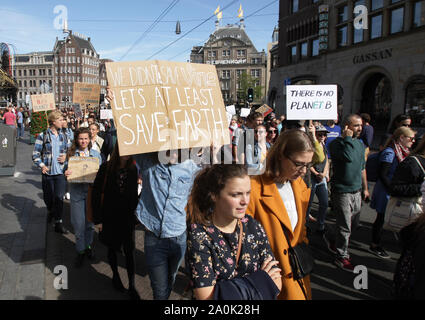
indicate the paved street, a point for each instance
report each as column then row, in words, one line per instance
column 30, row 250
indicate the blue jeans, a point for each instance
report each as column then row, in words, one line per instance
column 321, row 191
column 163, row 258
column 21, row 130
column 83, row 229
column 53, row 192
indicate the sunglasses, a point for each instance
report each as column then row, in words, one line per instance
column 412, row 139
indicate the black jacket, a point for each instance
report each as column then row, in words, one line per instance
column 408, row 178
column 256, row 286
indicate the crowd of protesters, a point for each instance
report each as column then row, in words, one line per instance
column 235, row 226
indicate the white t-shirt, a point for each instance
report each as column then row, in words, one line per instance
column 287, row 195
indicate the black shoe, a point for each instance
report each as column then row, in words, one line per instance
column 79, row 260
column 379, row 252
column 59, row 228
column 89, row 253
column 134, row 295
column 116, row 282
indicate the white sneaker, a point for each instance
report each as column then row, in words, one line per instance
column 67, row 196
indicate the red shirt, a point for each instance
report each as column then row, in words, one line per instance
column 9, row 118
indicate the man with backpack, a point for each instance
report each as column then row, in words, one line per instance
column 49, row 155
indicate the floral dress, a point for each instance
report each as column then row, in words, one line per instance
column 211, row 253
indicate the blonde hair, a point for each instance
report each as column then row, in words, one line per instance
column 53, row 116
column 289, row 142
column 401, row 131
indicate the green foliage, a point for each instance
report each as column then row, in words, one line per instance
column 246, row 82
column 39, row 122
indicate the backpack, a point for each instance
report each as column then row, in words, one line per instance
column 372, row 167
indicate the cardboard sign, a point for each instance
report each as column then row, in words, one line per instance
column 265, row 110
column 83, row 169
column 312, row 102
column 231, row 109
column 106, row 114
column 85, row 93
column 77, row 111
column 43, row 102
column 161, row 105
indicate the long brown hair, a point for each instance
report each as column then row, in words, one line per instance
column 210, row 181
column 75, row 146
column 289, row 142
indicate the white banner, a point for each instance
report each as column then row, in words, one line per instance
column 312, row 102
column 106, row 114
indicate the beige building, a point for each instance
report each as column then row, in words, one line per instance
column 34, row 74
column 230, row 49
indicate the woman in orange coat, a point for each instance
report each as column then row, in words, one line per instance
column 279, row 199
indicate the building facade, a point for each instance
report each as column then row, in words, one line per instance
column 75, row 60
column 379, row 70
column 230, row 49
column 34, row 75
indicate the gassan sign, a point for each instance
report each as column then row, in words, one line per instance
column 312, row 102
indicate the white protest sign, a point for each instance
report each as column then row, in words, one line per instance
column 312, row 102
column 245, row 112
column 231, row 109
column 106, row 114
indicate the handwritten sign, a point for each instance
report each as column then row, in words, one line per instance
column 83, row 169
column 312, row 102
column 86, row 93
column 245, row 112
column 43, row 102
column 161, row 105
column 106, row 114
column 265, row 110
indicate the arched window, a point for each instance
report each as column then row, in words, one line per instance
column 415, row 101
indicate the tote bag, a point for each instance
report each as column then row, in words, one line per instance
column 401, row 212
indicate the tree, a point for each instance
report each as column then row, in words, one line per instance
column 245, row 82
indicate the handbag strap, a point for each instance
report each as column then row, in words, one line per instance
column 420, row 164
column 238, row 253
column 300, row 281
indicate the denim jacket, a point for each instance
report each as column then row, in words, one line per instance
column 165, row 191
column 79, row 191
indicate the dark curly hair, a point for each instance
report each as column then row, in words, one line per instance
column 210, row 181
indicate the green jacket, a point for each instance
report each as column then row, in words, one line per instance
column 348, row 162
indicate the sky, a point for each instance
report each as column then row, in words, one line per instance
column 125, row 30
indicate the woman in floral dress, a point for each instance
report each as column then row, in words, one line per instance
column 219, row 199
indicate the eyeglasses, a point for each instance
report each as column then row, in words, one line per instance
column 300, row 165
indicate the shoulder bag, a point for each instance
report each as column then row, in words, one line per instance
column 402, row 211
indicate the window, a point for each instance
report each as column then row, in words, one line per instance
column 50, row 72
column 62, row 59
column 255, row 60
column 342, row 36
column 20, row 83
column 225, row 85
column 20, row 73
column 304, row 53
column 358, row 35
column 255, row 73
column 294, row 6
column 78, row 59
column 50, row 83
column 239, row 72
column 25, row 73
column 226, row 53
column 376, row 27
column 342, row 14
column 225, row 74
column 419, row 14
column 377, row 4
column 397, row 20
column 293, row 52
column 241, row 53
column 315, row 47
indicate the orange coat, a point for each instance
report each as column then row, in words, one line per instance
column 267, row 207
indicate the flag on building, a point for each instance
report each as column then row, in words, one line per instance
column 240, row 12
column 220, row 15
column 217, row 10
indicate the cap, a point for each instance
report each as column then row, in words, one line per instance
column 321, row 128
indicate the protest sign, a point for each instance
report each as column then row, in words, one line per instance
column 265, row 110
column 106, row 114
column 77, row 111
column 161, row 105
column 83, row 169
column 245, row 112
column 86, row 93
column 317, row 102
column 43, row 102
column 231, row 109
